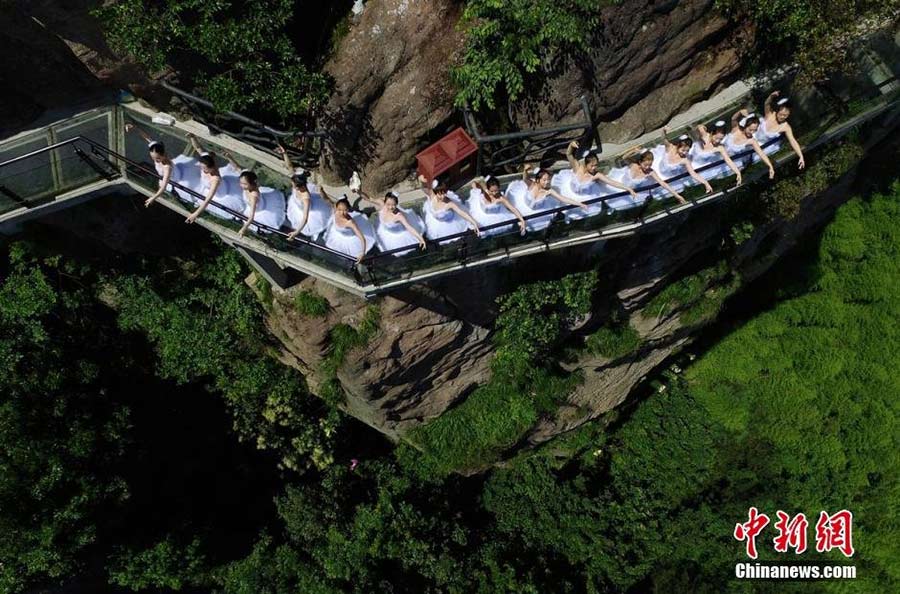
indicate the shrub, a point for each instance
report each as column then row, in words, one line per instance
column 686, row 291
column 241, row 50
column 783, row 200
column 613, row 341
column 310, row 304
column 506, row 41
column 523, row 386
column 342, row 339
column 819, row 36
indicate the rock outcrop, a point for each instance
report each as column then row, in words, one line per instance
column 392, row 96
column 424, row 358
column 650, row 61
column 392, row 90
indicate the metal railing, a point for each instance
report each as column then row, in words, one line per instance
column 498, row 151
column 96, row 161
column 303, row 146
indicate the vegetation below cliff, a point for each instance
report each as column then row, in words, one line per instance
column 796, row 410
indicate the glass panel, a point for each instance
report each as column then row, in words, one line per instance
column 27, row 182
column 74, row 171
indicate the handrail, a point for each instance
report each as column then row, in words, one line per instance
column 43, row 149
column 234, row 213
column 254, row 133
column 95, row 147
column 512, row 222
column 240, row 117
column 545, row 134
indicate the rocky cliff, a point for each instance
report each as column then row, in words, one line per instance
column 434, row 345
column 392, row 95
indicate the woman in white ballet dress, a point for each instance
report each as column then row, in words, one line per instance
column 444, row 213
column 534, row 194
column 349, row 233
column 742, row 139
column 710, row 153
column 488, row 206
column 307, row 212
column 182, row 169
column 217, row 188
column 670, row 161
column 583, row 181
column 775, row 123
column 396, row 227
column 639, row 174
column 263, row 206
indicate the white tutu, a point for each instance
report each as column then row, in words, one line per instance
column 345, row 241
column 269, row 209
column 668, row 171
column 186, row 172
column 566, row 182
column 445, row 222
column 734, row 149
column 392, row 236
column 517, row 192
column 700, row 158
column 319, row 213
column 490, row 214
column 228, row 194
column 623, row 176
column 763, row 136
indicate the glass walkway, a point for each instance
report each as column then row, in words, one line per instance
column 41, row 170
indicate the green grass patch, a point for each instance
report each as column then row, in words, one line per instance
column 310, row 304
column 342, row 339
column 613, row 341
column 686, row 291
column 492, row 419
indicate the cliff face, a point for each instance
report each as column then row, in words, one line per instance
column 425, row 356
column 392, row 98
column 392, row 88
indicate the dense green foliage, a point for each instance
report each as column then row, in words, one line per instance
column 506, row 41
column 164, row 565
column 817, row 35
column 495, row 416
column 209, row 325
column 797, row 410
column 60, row 433
column 242, row 51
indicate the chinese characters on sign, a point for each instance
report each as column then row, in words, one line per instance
column 832, row 532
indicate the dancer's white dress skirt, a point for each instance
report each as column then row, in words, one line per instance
column 669, row 172
column 345, row 241
column 566, row 182
column 763, row 136
column 319, row 213
column 518, row 194
column 492, row 213
column 228, row 194
column 700, row 158
column 269, row 209
column 623, row 176
column 735, row 149
column 186, row 172
column 445, row 222
column 392, row 236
